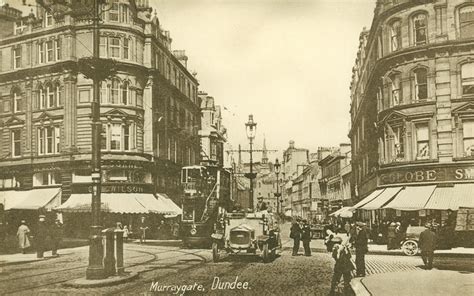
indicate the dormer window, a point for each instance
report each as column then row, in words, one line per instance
column 48, row 19
column 20, row 27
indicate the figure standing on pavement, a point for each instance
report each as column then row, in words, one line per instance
column 126, row 232
column 143, row 229
column 343, row 266
column 41, row 236
column 57, row 233
column 306, row 238
column 361, row 246
column 295, row 234
column 427, row 244
column 22, row 235
column 391, row 235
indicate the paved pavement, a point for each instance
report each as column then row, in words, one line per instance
column 420, row 283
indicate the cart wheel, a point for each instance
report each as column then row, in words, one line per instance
column 266, row 257
column 410, row 248
column 215, row 252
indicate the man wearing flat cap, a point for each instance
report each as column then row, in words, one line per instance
column 261, row 205
column 361, row 246
column 427, row 245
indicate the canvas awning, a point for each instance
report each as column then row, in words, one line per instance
column 344, row 212
column 412, row 198
column 368, row 198
column 170, row 205
column 452, row 198
column 381, row 199
column 34, row 199
column 130, row 203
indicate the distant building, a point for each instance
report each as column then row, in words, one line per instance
column 335, row 183
column 213, row 134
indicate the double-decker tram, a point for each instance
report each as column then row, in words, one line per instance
column 206, row 198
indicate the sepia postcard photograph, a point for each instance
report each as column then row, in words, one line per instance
column 237, row 147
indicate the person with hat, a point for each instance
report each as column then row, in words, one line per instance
column 23, row 238
column 261, row 205
column 143, row 228
column 295, row 234
column 56, row 236
column 392, row 236
column 361, row 248
column 41, row 235
column 306, row 237
column 343, row 266
column 427, row 244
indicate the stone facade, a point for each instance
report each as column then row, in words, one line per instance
column 412, row 94
column 150, row 108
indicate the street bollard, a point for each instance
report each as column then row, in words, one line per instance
column 119, row 251
column 109, row 258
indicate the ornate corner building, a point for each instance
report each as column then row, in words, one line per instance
column 150, row 109
column 412, row 107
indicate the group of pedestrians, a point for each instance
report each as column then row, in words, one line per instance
column 45, row 236
column 301, row 231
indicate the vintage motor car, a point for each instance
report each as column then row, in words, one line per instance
column 252, row 233
column 410, row 245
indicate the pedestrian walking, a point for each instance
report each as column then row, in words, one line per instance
column 361, row 248
column 41, row 236
column 295, row 234
column 427, row 244
column 347, row 228
column 23, row 237
column 306, row 238
column 343, row 266
column 57, row 233
column 143, row 229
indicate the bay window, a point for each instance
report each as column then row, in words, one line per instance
column 114, row 46
column 118, row 137
column 422, row 141
column 126, row 48
column 114, row 11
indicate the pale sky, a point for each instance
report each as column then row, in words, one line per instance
column 287, row 62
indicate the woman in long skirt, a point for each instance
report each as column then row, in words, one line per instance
column 22, row 235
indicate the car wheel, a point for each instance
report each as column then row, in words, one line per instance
column 410, row 248
column 266, row 257
column 215, row 252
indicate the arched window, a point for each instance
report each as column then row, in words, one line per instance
column 395, row 88
column 420, row 29
column 41, row 97
column 421, row 84
column 125, row 94
column 395, row 36
column 114, row 92
column 467, row 79
column 50, row 99
column 58, row 93
column 466, row 22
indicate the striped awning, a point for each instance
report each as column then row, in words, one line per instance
column 382, row 199
column 130, row 203
column 452, row 198
column 368, row 198
column 412, row 198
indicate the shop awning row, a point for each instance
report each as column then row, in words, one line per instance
column 414, row 198
column 123, row 203
column 35, row 199
column 344, row 212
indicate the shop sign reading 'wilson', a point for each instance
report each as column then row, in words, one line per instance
column 427, row 174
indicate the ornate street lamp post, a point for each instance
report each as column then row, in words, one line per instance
column 251, row 128
column 96, row 69
column 277, row 167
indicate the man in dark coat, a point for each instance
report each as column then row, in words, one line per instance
column 306, row 238
column 391, row 235
column 41, row 236
column 343, row 266
column 361, row 246
column 56, row 236
column 427, row 244
column 295, row 234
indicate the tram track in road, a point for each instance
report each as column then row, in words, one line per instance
column 64, row 271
